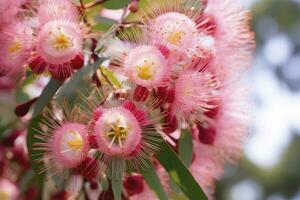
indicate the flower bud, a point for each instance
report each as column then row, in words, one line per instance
column 140, row 93
column 134, row 184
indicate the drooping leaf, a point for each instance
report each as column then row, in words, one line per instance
column 33, row 153
column 69, row 89
column 186, row 147
column 46, row 96
column 179, row 173
column 116, row 177
column 153, row 181
column 111, row 77
column 103, row 23
column 115, row 4
column 106, row 36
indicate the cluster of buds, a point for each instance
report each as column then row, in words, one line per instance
column 182, row 67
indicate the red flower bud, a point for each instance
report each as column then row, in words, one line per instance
column 140, row 93
column 89, row 168
column 93, row 142
column 22, row 109
column 206, row 134
column 134, row 184
column 170, row 123
column 38, row 65
column 77, row 62
column 134, row 6
column 63, row 195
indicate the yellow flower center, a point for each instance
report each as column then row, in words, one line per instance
column 76, row 143
column 175, row 37
column 117, row 133
column 61, row 42
column 15, row 47
column 3, row 195
column 145, row 71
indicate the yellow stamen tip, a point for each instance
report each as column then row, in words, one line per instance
column 145, row 72
column 76, row 143
column 61, row 42
column 3, row 195
column 175, row 38
column 15, row 47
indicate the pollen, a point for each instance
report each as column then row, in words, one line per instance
column 145, row 71
column 176, row 37
column 117, row 133
column 4, row 195
column 61, row 42
column 15, row 47
column 76, row 143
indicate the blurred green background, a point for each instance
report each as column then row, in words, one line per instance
column 270, row 169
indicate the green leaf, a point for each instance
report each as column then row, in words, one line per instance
column 70, row 88
column 111, row 77
column 186, row 147
column 33, row 154
column 116, row 177
column 46, row 96
column 116, row 4
column 106, row 37
column 153, row 181
column 103, row 23
column 179, row 173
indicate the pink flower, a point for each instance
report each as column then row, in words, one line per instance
column 123, row 131
column 65, row 147
column 146, row 66
column 228, row 25
column 8, row 10
column 7, row 83
column 118, row 132
column 173, row 24
column 69, row 145
column 194, row 91
column 15, row 46
column 229, row 121
column 176, row 31
column 63, row 141
column 58, row 49
column 8, row 190
column 59, row 41
column 140, row 60
column 51, row 10
column 205, row 167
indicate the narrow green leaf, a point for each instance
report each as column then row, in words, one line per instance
column 116, row 177
column 46, row 96
column 103, row 23
column 106, row 37
column 111, row 77
column 153, row 181
column 179, row 173
column 186, row 147
column 70, row 88
column 34, row 125
column 115, row 4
